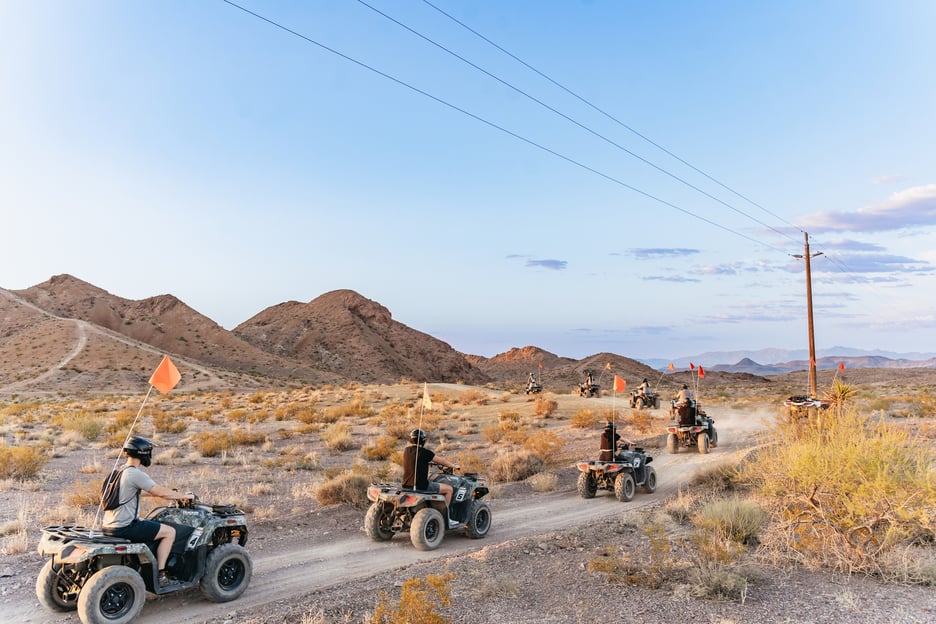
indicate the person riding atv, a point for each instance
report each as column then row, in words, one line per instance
column 533, row 386
column 644, row 396
column 589, row 388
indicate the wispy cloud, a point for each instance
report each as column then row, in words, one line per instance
column 652, row 253
column 873, row 263
column 913, row 207
column 552, row 265
column 847, row 244
column 887, row 179
column 670, row 278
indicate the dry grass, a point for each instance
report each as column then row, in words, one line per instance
column 21, row 462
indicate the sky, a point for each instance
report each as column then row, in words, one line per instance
column 585, row 177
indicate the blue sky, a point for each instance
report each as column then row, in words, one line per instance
column 194, row 149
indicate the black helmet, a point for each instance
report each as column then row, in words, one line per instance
column 417, row 436
column 645, row 380
column 685, row 387
column 141, row 448
column 609, row 425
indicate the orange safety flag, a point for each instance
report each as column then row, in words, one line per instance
column 812, row 362
column 691, row 366
column 619, row 384
column 426, row 401
column 671, row 367
column 701, row 372
column 841, row 366
column 608, row 365
column 541, row 365
column 166, row 376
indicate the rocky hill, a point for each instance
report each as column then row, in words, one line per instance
column 357, row 338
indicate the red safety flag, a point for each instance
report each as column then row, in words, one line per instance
column 671, row 367
column 701, row 372
column 541, row 365
column 166, row 376
column 619, row 384
column 691, row 366
column 841, row 366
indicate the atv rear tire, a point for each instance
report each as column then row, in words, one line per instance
column 587, row 485
column 649, row 485
column 624, row 487
column 640, row 403
column 377, row 523
column 479, row 519
column 51, row 588
column 227, row 573
column 672, row 443
column 703, row 443
column 113, row 595
column 427, row 529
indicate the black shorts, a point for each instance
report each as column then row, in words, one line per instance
column 138, row 531
column 432, row 488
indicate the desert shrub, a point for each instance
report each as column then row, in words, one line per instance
column 167, row 422
column 492, row 433
column 846, row 490
column 543, row 482
column 516, row 466
column 642, row 421
column 348, row 488
column 419, row 602
column 718, row 581
column 584, row 419
column 213, row 443
column 257, row 398
column 734, row 519
column 87, row 424
column 544, row 408
column 337, row 436
column 21, row 462
column 469, row 462
column 357, row 407
column 85, row 493
column 544, row 443
column 508, row 421
column 381, row 448
column 237, row 415
column 478, row 397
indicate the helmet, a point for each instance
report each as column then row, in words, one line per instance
column 417, row 436
column 645, row 380
column 685, row 387
column 141, row 448
column 609, row 425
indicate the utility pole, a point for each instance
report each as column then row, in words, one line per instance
column 809, row 317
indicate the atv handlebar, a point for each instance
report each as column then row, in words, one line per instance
column 445, row 469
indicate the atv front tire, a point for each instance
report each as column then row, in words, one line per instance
column 479, row 519
column 51, row 588
column 649, row 484
column 427, row 529
column 227, row 573
column 672, row 443
column 624, row 487
column 587, row 485
column 377, row 523
column 113, row 595
column 703, row 443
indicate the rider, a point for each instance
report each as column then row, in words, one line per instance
column 124, row 521
column 644, row 388
column 685, row 405
column 684, row 396
column 416, row 460
column 609, row 439
column 531, row 381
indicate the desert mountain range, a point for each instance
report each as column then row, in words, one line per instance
column 66, row 335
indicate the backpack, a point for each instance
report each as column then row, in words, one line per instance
column 110, row 490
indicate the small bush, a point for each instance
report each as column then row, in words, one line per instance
column 21, row 462
column 348, row 488
column 516, row 466
column 492, row 433
column 478, row 397
column 381, row 448
column 419, row 602
column 584, row 419
column 337, row 437
column 544, row 408
column 543, row 482
column 544, row 443
column 733, row 519
column 167, row 422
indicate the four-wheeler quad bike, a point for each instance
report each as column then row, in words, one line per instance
column 621, row 476
column 691, row 427
column 533, row 388
column 640, row 400
column 803, row 406
column 589, row 390
column 395, row 509
column 106, row 578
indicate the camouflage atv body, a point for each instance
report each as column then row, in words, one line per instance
column 395, row 509
column 106, row 578
column 622, row 476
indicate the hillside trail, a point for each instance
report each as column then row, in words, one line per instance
column 288, row 568
column 83, row 328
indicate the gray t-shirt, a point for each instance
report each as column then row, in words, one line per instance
column 132, row 481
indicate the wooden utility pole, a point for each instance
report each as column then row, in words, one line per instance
column 809, row 318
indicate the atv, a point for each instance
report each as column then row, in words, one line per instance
column 691, row 427
column 622, row 476
column 589, row 390
column 803, row 406
column 640, row 400
column 395, row 509
column 106, row 578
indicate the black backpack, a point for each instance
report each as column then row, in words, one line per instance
column 110, row 490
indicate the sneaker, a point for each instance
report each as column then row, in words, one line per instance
column 165, row 581
column 453, row 523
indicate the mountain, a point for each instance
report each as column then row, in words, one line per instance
column 787, row 358
column 748, row 365
column 348, row 334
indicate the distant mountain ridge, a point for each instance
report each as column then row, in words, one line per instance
column 785, row 360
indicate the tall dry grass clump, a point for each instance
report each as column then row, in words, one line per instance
column 348, row 487
column 21, row 462
column 516, row 465
column 848, row 490
column 419, row 603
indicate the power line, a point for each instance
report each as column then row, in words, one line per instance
column 570, row 119
column 491, row 124
column 611, row 117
